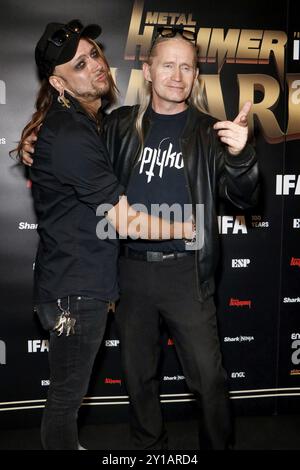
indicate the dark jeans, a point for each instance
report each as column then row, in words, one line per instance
column 149, row 291
column 71, row 359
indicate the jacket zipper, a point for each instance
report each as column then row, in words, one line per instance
column 191, row 199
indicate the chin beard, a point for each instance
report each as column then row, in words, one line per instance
column 102, row 91
column 94, row 94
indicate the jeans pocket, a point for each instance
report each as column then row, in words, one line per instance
column 48, row 314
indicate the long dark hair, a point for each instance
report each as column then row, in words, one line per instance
column 44, row 100
column 42, row 104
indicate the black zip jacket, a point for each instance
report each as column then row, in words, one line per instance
column 209, row 169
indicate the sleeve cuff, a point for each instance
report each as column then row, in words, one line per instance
column 115, row 196
column 246, row 156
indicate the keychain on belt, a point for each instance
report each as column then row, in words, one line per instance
column 65, row 323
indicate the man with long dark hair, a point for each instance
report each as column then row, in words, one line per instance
column 170, row 150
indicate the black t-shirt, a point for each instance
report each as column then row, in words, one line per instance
column 158, row 178
column 72, row 174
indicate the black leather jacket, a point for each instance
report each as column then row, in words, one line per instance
column 209, row 169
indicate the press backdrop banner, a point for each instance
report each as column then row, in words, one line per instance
column 248, row 50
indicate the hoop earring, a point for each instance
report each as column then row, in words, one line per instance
column 63, row 100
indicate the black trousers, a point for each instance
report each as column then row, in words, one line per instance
column 149, row 291
column 71, row 359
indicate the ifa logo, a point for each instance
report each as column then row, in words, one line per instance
column 38, row 345
column 287, row 185
column 229, row 224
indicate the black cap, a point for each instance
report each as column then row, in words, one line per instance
column 59, row 43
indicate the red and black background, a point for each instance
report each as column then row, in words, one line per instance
column 249, row 50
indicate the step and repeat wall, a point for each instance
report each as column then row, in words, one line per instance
column 248, row 50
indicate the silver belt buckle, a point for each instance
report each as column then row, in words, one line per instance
column 170, row 255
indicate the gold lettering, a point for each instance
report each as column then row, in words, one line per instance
column 173, row 17
column 203, row 38
column 248, row 48
column 135, row 87
column 225, row 48
column 211, row 87
column 181, row 20
column 190, row 20
column 274, row 41
column 134, row 38
column 270, row 88
column 163, row 18
column 248, row 85
column 293, row 130
column 151, row 17
column 155, row 17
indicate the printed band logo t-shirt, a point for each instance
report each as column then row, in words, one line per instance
column 158, row 177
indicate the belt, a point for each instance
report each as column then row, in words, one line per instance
column 151, row 256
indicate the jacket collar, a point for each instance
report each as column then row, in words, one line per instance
column 193, row 115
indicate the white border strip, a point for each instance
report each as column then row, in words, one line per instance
column 21, row 402
column 267, row 396
column 18, row 408
column 126, row 396
column 265, row 390
column 165, row 398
